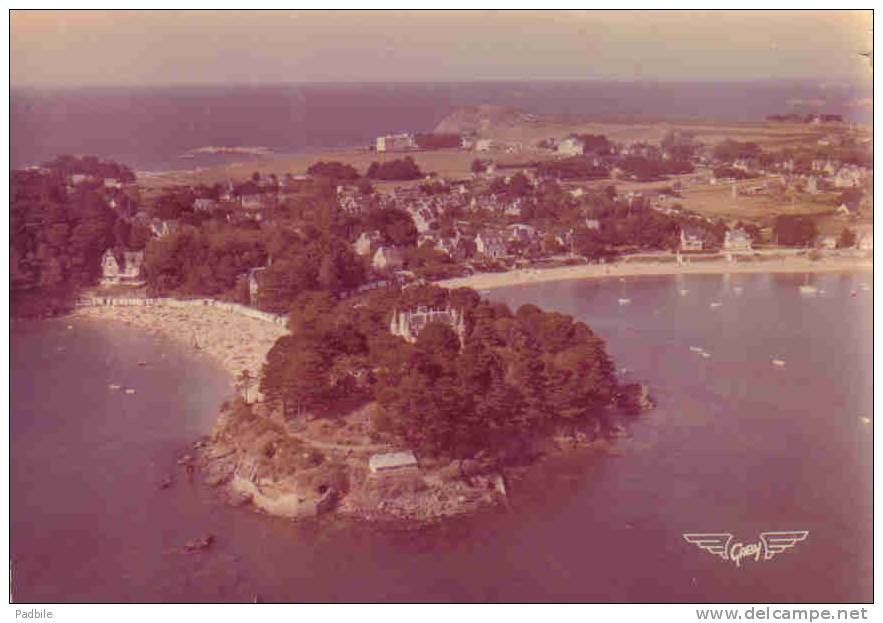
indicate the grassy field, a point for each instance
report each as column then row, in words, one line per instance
column 454, row 164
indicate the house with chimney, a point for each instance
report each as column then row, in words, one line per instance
column 408, row 324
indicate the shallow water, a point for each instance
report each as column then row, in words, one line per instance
column 735, row 445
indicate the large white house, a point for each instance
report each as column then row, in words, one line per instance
column 121, row 267
column 737, row 240
column 410, row 323
column 395, row 142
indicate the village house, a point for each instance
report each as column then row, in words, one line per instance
column 848, row 208
column 520, row 232
column 692, row 239
column 204, row 205
column 848, row 177
column 409, row 324
column 491, row 245
column 484, row 144
column 254, row 284
column 570, row 146
column 388, row 258
column 826, row 242
column 366, row 242
column 395, row 142
column 737, row 240
column 456, row 247
column 593, row 224
column 118, row 267
column 162, row 228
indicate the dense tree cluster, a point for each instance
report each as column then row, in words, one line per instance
column 401, row 169
column 57, row 238
column 791, row 230
column 90, row 165
column 575, row 168
column 516, row 376
column 202, row 261
column 729, row 150
column 437, row 141
column 334, row 170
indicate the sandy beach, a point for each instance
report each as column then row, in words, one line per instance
column 783, row 264
column 235, row 342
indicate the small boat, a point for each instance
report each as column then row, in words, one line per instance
column 779, row 362
column 864, row 287
column 624, row 301
column 484, row 292
column 705, row 354
column 737, row 289
column 807, row 288
column 853, row 294
column 142, row 363
column 70, row 327
column 130, row 391
column 866, row 420
column 683, row 291
column 715, row 304
column 697, row 349
column 114, row 386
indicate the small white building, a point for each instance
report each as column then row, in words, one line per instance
column 571, row 146
column 393, row 462
column 484, row 144
column 121, row 267
column 866, row 241
column 692, row 240
column 737, row 240
column 366, row 242
column 388, row 258
column 395, row 142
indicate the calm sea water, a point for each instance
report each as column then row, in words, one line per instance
column 735, row 445
column 149, row 127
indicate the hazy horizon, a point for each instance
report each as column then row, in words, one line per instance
column 195, row 48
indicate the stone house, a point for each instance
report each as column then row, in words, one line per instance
column 409, row 324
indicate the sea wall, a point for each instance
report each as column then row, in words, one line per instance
column 236, row 308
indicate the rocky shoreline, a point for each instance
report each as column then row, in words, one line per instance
column 251, row 458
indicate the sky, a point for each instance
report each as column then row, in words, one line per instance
column 69, row 48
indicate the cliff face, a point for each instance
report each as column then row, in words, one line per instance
column 484, row 120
